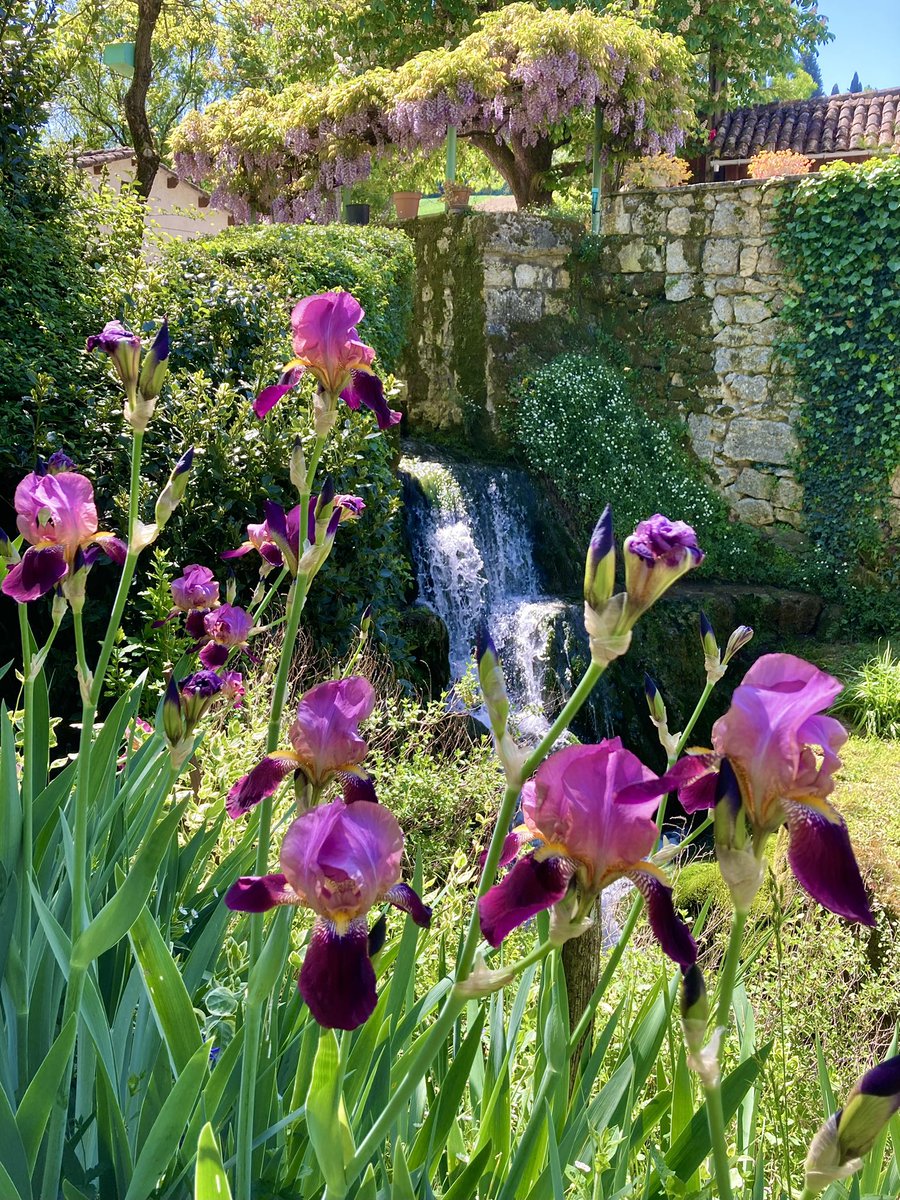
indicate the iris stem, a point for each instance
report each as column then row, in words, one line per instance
column 714, row 1113
column 269, row 596
column 695, row 716
column 28, row 790
column 253, row 1016
column 92, row 692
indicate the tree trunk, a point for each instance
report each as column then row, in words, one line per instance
column 145, row 149
column 523, row 167
column 581, row 964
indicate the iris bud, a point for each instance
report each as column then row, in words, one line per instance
column 173, row 493
column 155, row 367
column 741, row 869
column 600, row 567
column 298, row 466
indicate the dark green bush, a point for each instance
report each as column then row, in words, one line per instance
column 580, row 428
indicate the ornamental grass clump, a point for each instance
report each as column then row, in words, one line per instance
column 122, row 904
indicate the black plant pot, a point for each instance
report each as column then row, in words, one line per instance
column 357, row 214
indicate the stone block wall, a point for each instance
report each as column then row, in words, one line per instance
column 687, row 280
column 484, row 281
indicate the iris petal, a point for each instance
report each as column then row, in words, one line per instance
column 337, row 979
column 529, row 888
column 671, row 932
column 261, row 782
column 36, row 574
column 259, row 893
column 403, row 896
column 369, row 390
column 822, row 859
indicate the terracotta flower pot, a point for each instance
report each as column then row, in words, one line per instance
column 456, row 196
column 407, row 205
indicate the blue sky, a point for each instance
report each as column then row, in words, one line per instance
column 867, row 39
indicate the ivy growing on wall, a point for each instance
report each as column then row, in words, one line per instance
column 838, row 233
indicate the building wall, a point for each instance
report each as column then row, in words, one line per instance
column 172, row 212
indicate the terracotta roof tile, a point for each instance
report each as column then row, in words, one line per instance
column 826, row 125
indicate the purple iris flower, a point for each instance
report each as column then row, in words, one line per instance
column 324, row 739
column 763, row 759
column 339, row 860
column 195, row 588
column 227, row 627
column 58, row 462
column 277, row 538
column 58, row 516
column 326, row 344
column 657, row 554
column 590, row 836
column 124, row 350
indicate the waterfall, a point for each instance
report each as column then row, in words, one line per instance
column 472, row 530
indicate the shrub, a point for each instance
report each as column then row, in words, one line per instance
column 656, row 171
column 769, row 164
column 871, row 698
column 580, row 428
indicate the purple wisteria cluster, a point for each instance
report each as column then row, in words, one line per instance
column 516, row 81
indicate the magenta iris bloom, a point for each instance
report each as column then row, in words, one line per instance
column 227, row 627
column 767, row 737
column 195, row 589
column 590, row 837
column 324, row 738
column 277, row 538
column 339, row 860
column 658, row 553
column 58, row 516
column 326, row 344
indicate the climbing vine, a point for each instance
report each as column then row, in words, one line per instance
column 838, row 233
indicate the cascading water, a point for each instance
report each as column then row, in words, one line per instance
column 472, row 530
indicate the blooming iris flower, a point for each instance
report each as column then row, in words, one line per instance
column 324, row 738
column 658, row 553
column 277, row 538
column 763, row 769
column 590, row 836
column 58, row 516
column 226, row 627
column 326, row 344
column 339, row 860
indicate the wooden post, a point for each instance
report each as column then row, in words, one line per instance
column 597, row 179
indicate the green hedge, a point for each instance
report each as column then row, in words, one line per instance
column 228, row 299
column 839, row 238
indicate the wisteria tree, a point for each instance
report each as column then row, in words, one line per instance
column 523, row 87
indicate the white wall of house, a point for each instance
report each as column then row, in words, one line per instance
column 173, row 207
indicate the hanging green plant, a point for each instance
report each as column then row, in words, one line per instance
column 838, row 233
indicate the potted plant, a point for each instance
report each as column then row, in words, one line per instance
column 406, row 205
column 456, row 196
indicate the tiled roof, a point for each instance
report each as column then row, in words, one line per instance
column 826, row 125
column 99, row 158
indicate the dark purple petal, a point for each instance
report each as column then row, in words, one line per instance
column 403, row 896
column 377, row 935
column 671, row 932
column 337, row 979
column 821, row 857
column 883, row 1080
column 693, row 777
column 213, row 655
column 356, row 788
column 261, row 782
column 37, row 573
column 259, row 893
column 114, row 548
column 512, row 844
column 529, row 888
column 269, row 397
column 369, row 390
column 194, row 624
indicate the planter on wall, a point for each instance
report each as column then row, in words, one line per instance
column 357, row 214
column 406, row 205
column 456, row 196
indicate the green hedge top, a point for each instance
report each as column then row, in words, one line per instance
column 232, row 293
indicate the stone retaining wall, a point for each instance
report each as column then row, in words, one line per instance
column 688, row 280
column 685, row 279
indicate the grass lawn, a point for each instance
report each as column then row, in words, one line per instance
column 868, row 794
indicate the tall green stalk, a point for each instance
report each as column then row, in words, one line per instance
column 253, row 1009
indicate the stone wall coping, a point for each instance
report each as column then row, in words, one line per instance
column 693, row 189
